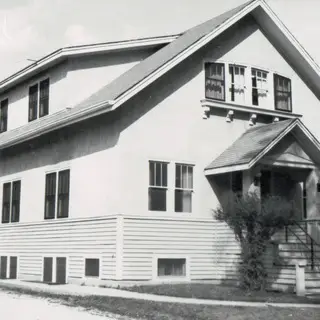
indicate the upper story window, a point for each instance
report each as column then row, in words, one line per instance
column 282, row 93
column 57, row 195
column 247, row 86
column 237, row 83
column 4, row 115
column 11, row 201
column 39, row 99
column 215, row 81
column 259, row 86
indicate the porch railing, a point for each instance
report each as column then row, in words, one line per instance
column 311, row 231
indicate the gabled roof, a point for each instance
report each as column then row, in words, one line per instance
column 141, row 75
column 61, row 54
column 256, row 142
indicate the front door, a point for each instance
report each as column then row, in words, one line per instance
column 265, row 184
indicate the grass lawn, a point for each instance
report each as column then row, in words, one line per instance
column 219, row 292
column 139, row 309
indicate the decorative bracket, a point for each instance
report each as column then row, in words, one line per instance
column 253, row 119
column 206, row 112
column 229, row 117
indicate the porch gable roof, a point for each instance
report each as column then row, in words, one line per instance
column 255, row 143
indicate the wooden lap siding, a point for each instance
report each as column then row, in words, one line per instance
column 73, row 239
column 211, row 247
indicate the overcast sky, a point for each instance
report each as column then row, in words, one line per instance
column 30, row 29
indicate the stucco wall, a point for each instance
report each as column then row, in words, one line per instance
column 168, row 125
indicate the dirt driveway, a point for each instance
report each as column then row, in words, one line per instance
column 17, row 307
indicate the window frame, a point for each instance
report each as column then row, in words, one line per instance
column 233, row 83
column 6, row 114
column 183, row 278
column 38, row 99
column 92, row 257
column 8, row 265
column 162, row 187
column 181, row 188
column 223, row 65
column 54, row 266
column 267, row 81
column 10, row 202
column 275, row 75
column 56, row 172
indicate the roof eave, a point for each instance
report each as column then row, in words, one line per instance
column 63, row 53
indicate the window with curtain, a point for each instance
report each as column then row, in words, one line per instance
column 215, row 81
column 237, row 86
column 183, row 188
column 171, row 267
column 4, row 115
column 259, row 86
column 158, row 183
column 282, row 93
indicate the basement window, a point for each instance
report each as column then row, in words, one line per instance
column 92, row 267
column 171, row 267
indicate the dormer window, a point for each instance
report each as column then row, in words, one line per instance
column 215, row 81
column 282, row 93
column 39, row 100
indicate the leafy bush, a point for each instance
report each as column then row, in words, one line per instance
column 254, row 222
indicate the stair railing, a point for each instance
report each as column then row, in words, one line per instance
column 309, row 238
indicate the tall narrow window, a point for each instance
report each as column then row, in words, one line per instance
column 304, row 200
column 215, row 81
column 57, row 195
column 50, row 196
column 63, row 194
column 44, row 98
column 236, row 183
column 4, row 115
column 6, row 200
column 237, row 87
column 15, row 207
column 11, row 202
column 158, row 182
column 282, row 93
column 259, row 86
column 33, row 102
column 39, row 99
column 183, row 188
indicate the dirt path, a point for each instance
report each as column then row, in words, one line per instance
column 17, row 307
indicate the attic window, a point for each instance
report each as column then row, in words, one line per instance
column 215, row 81
column 282, row 93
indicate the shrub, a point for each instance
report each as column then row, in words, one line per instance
column 254, row 222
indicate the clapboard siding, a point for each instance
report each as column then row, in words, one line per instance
column 209, row 245
column 74, row 239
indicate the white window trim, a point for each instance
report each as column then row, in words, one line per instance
column 54, row 265
column 56, row 169
column 92, row 256
column 248, row 82
column 10, row 181
column 157, row 278
column 171, row 187
column 8, row 264
column 42, row 78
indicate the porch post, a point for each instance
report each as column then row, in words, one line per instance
column 300, row 279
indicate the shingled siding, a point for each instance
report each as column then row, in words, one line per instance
column 210, row 247
column 74, row 239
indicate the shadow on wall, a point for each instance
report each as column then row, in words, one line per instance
column 103, row 132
